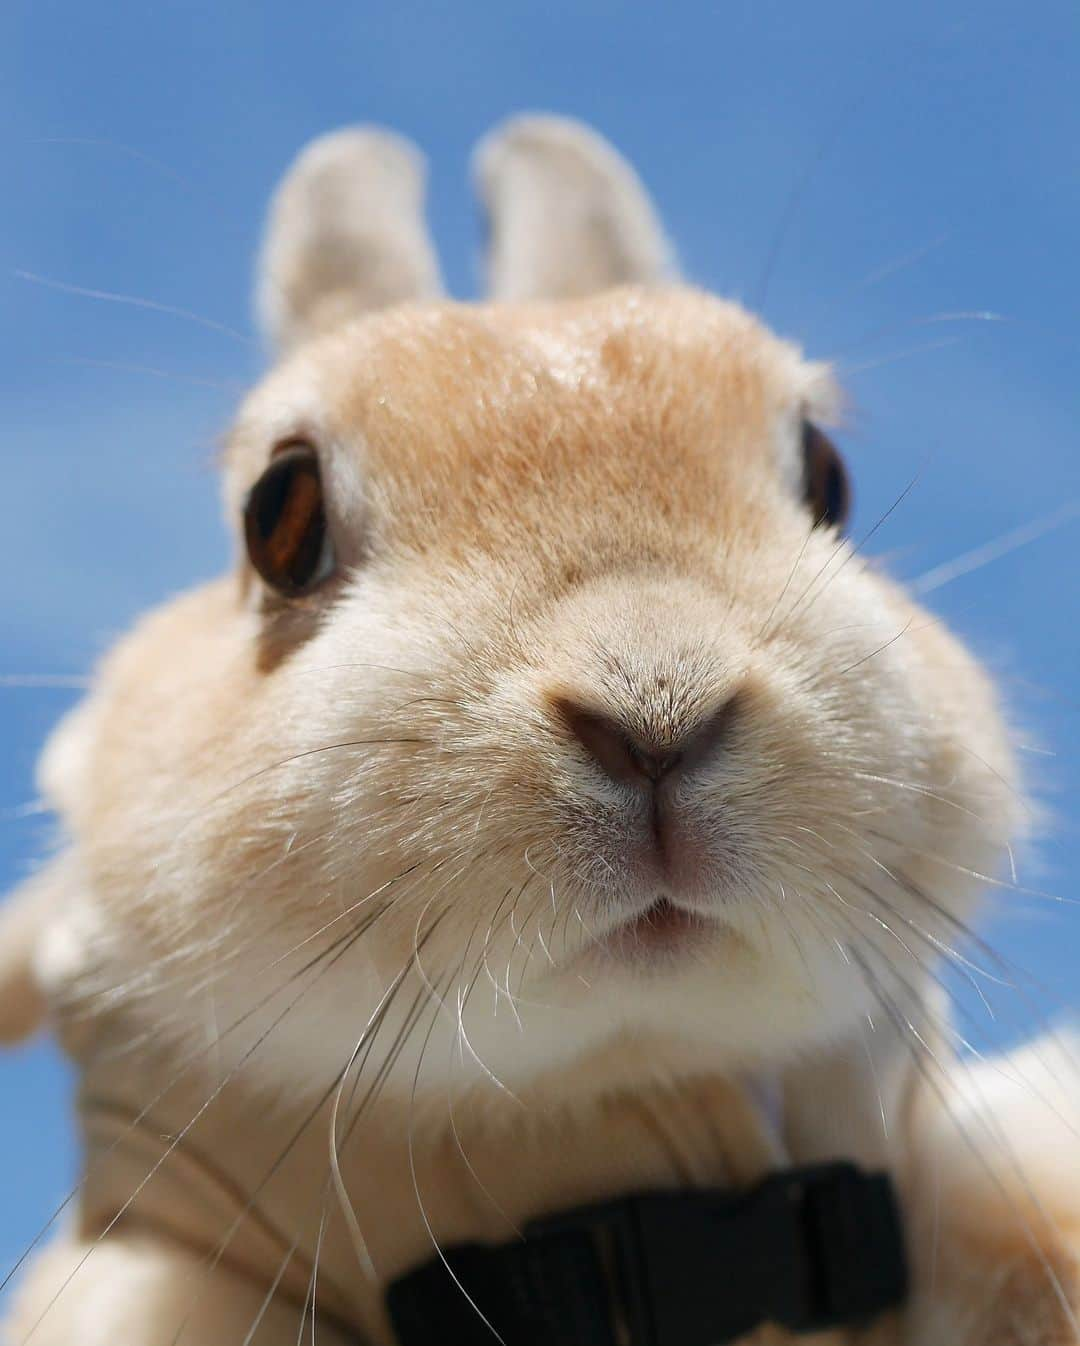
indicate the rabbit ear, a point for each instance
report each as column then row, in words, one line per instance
column 346, row 233
column 567, row 214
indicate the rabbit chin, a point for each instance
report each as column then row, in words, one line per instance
column 722, row 1006
column 723, row 1011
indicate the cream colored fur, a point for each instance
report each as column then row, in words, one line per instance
column 559, row 494
column 346, row 232
column 567, row 215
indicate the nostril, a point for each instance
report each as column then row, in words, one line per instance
column 623, row 756
column 633, row 759
column 714, row 733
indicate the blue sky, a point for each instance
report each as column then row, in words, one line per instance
column 911, row 160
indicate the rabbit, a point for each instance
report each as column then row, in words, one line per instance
column 551, row 803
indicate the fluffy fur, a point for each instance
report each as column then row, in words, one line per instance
column 337, row 867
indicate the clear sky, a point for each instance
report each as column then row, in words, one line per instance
column 902, row 163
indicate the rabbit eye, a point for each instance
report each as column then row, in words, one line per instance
column 825, row 479
column 285, row 523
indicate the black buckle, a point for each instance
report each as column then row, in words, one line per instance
column 808, row 1249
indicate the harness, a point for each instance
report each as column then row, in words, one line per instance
column 807, row 1249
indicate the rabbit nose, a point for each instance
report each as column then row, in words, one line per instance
column 630, row 758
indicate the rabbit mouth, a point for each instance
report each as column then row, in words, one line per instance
column 665, row 927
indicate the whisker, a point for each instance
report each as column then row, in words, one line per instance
column 174, row 1142
column 33, row 808
column 462, row 1000
column 798, row 191
column 907, row 259
column 271, row 1292
column 916, row 788
column 487, row 942
column 381, row 741
column 185, row 1067
column 314, row 1291
column 993, row 1130
column 61, row 681
column 225, row 960
column 874, row 653
column 883, row 361
column 944, row 1025
column 968, row 562
column 848, row 551
column 351, row 664
column 416, row 1183
column 206, row 198
column 787, row 585
column 927, row 320
column 372, row 1026
column 121, row 367
column 989, row 879
column 211, row 1266
column 135, row 301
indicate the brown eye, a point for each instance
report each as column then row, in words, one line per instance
column 285, row 523
column 825, row 479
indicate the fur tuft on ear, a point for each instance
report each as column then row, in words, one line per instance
column 345, row 234
column 567, row 214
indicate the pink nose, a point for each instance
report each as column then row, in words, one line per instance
column 630, row 758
